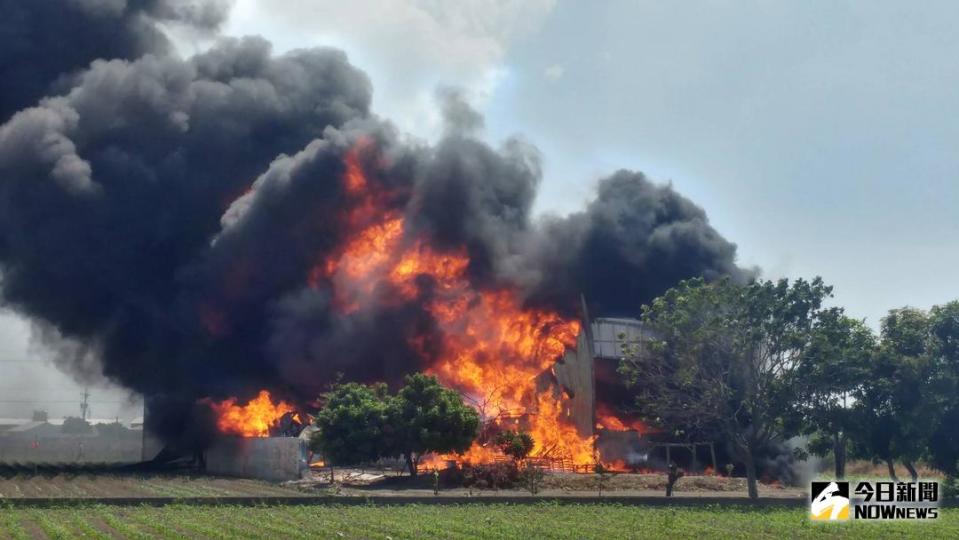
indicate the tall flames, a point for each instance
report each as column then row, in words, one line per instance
column 493, row 349
column 255, row 419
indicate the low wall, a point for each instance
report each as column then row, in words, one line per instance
column 270, row 458
column 70, row 449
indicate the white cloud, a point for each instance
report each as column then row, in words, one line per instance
column 408, row 47
column 554, row 72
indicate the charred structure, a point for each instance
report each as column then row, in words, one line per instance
column 207, row 228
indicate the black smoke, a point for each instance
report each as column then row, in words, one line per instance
column 634, row 241
column 163, row 215
column 45, row 42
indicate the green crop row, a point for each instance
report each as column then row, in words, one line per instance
column 606, row 521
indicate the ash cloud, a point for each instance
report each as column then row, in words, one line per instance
column 44, row 42
column 165, row 214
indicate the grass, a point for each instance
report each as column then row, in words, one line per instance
column 547, row 520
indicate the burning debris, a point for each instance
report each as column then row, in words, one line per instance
column 236, row 229
column 608, row 419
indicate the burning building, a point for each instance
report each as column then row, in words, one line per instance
column 572, row 430
column 201, row 230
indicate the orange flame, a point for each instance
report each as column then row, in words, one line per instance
column 607, row 419
column 617, row 465
column 493, row 349
column 251, row 420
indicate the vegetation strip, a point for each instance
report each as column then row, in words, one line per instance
column 544, row 520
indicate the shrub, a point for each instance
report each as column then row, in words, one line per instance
column 515, row 444
column 503, row 475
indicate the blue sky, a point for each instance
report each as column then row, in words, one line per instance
column 821, row 137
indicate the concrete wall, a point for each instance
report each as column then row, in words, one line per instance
column 270, row 458
column 70, row 449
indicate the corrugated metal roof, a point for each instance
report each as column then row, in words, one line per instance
column 609, row 334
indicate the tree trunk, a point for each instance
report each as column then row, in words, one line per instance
column 672, row 477
column 839, row 453
column 751, row 481
column 331, row 474
column 411, row 464
column 892, row 470
column 912, row 470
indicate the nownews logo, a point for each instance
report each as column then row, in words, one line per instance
column 830, row 501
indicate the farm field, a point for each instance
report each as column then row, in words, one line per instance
column 80, row 486
column 464, row 521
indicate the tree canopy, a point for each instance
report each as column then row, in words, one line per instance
column 721, row 359
column 426, row 417
column 353, row 424
column 74, row 425
column 361, row 423
column 516, row 444
column 910, row 405
column 830, row 378
column 944, row 347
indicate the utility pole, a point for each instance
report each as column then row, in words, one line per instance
column 85, row 404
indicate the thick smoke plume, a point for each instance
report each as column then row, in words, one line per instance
column 167, row 215
column 46, row 42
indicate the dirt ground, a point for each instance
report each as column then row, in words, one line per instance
column 554, row 484
column 358, row 482
column 378, row 482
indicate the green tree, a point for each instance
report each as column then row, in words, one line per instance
column 829, row 375
column 113, row 429
column 721, row 357
column 943, row 444
column 516, row 444
column 875, row 413
column 427, row 417
column 900, row 401
column 73, row 425
column 352, row 425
